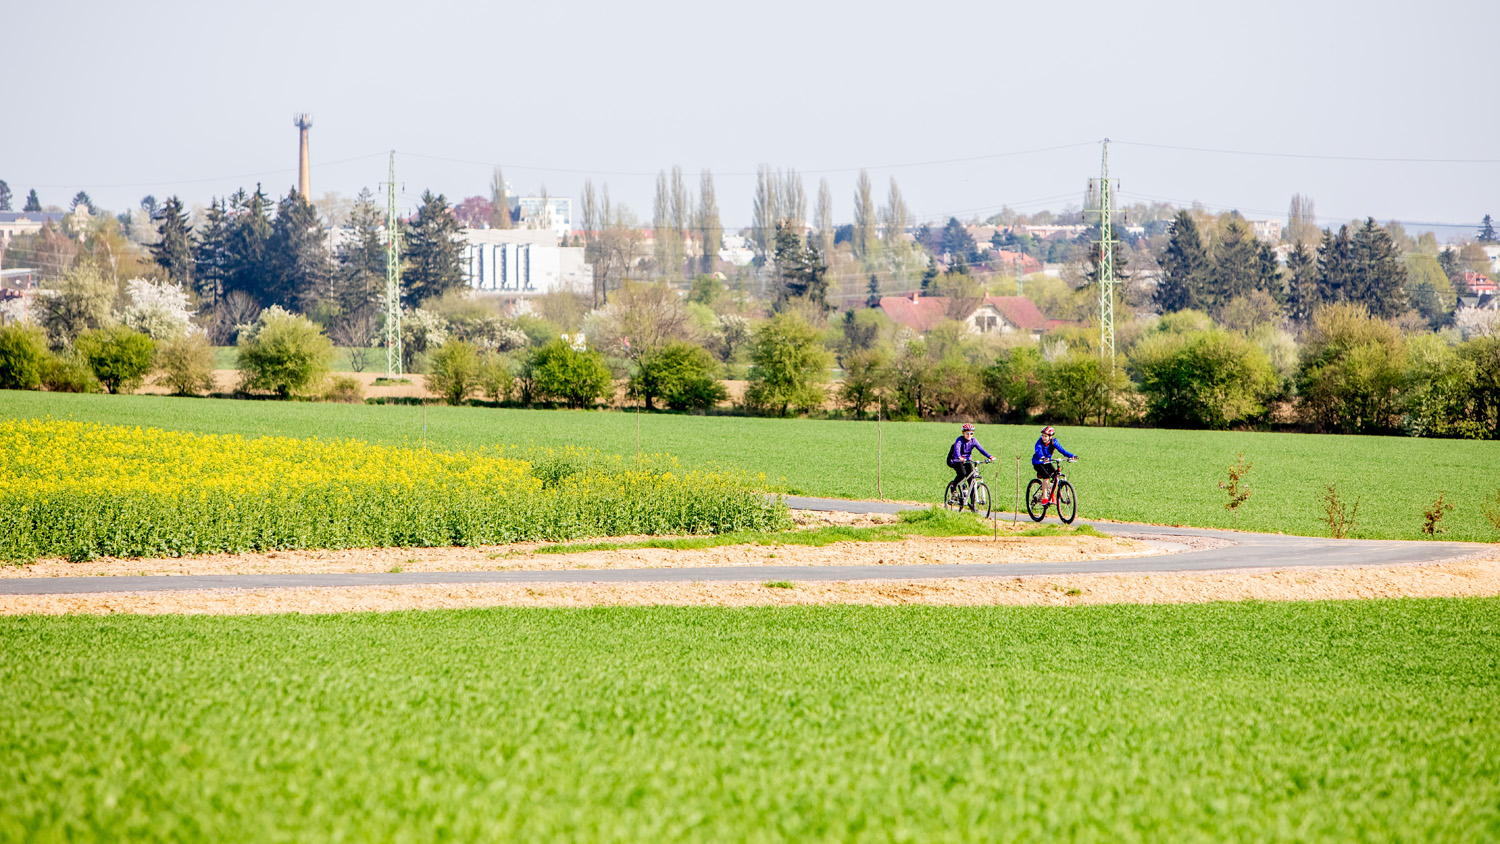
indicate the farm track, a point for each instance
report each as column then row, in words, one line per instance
column 1247, row 551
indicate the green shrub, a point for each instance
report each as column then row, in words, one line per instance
column 344, row 388
column 120, row 357
column 283, row 353
column 453, row 371
column 496, row 380
column 23, row 354
column 187, row 365
column 577, row 378
column 1202, row 379
column 682, row 375
column 790, row 366
column 67, row 373
column 1011, row 386
column 1351, row 372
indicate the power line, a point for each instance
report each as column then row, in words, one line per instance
column 1321, row 218
column 1314, row 157
column 208, row 179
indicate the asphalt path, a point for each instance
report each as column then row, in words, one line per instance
column 1248, row 551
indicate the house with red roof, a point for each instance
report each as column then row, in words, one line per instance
column 991, row 315
column 1480, row 284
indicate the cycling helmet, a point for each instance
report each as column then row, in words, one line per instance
column 1048, row 432
column 968, row 428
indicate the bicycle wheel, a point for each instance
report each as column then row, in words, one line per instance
column 980, row 503
column 1067, row 502
column 953, row 497
column 1034, row 506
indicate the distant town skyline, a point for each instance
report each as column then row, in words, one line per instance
column 1373, row 109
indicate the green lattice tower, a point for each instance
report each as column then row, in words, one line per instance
column 1106, row 263
column 392, row 278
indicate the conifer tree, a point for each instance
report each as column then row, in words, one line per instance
column 1337, row 267
column 799, row 268
column 174, row 251
column 1380, row 279
column 33, row 202
column 4, row 196
column 1302, row 283
column 1236, row 265
column 873, row 300
column 297, row 253
column 249, row 229
column 211, row 254
column 1269, row 277
column 1486, row 229
column 432, row 253
column 1184, row 267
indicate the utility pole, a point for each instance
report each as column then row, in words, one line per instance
column 1106, row 262
column 392, row 278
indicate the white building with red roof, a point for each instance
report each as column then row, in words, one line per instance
column 991, row 315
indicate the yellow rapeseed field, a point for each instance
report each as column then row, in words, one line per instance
column 84, row 490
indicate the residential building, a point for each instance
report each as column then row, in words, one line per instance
column 1267, row 230
column 1479, row 283
column 13, row 223
column 991, row 315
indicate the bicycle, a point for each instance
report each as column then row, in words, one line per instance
column 971, row 492
column 1064, row 497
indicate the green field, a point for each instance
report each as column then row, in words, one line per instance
column 1332, row 721
column 1159, row 476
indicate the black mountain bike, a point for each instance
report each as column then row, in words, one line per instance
column 971, row 492
column 1064, row 498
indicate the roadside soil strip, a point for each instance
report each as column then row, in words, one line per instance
column 1474, row 576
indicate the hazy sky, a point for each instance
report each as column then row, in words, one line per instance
column 196, row 99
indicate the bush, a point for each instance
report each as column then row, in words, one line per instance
column 1079, row 387
column 23, row 354
column 67, row 373
column 1202, row 379
column 562, row 373
column 453, row 371
column 682, row 375
column 496, row 379
column 1351, row 372
column 790, row 366
column 120, row 357
column 865, row 380
column 283, row 353
column 344, row 388
column 1011, row 385
column 187, row 365
column 1484, row 354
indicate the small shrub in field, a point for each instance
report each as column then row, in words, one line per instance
column 1338, row 513
column 1491, row 509
column 283, row 353
column 1239, row 491
column 681, row 375
column 67, row 373
column 344, row 388
column 187, row 365
column 120, row 357
column 1432, row 516
column 453, row 371
column 778, row 584
column 577, row 378
column 23, row 354
column 496, row 381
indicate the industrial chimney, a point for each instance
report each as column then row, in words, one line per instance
column 304, row 169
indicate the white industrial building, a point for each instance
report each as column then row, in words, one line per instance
column 522, row 262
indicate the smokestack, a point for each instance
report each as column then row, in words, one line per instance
column 303, row 122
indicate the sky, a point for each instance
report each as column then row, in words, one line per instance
column 1372, row 108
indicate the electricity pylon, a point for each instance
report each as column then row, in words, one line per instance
column 392, row 278
column 1106, row 261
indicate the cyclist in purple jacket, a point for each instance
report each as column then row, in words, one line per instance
column 959, row 454
column 1041, row 460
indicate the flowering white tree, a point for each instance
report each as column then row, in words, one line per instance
column 159, row 311
column 1473, row 322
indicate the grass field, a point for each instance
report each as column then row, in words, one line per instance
column 1365, row 721
column 1159, row 476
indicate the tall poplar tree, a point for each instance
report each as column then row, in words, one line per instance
column 1184, row 266
column 710, row 229
column 823, row 219
column 763, row 222
column 499, row 202
column 864, row 243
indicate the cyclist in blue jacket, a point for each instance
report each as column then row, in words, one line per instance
column 958, row 455
column 1041, row 460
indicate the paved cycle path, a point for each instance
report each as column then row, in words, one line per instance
column 1249, row 551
